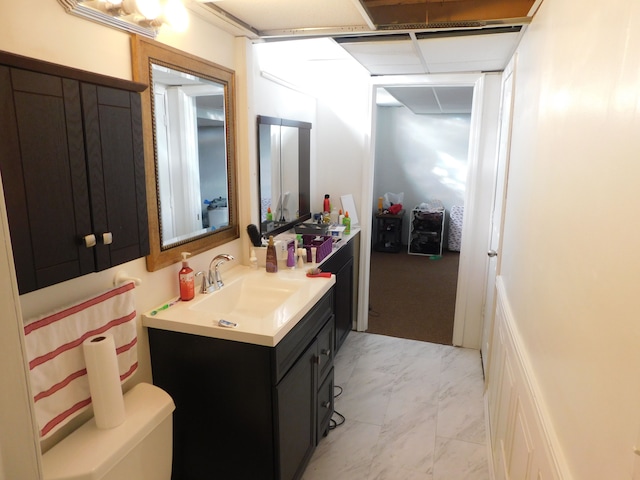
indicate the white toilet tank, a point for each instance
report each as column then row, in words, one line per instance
column 140, row 448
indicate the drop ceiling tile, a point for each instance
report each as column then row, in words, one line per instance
column 423, row 99
column 395, row 69
column 486, row 52
column 266, row 15
column 386, row 58
column 454, row 99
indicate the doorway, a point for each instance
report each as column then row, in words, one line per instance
column 468, row 319
column 421, row 157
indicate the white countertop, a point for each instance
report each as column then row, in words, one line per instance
column 188, row 317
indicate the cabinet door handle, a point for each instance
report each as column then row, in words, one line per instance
column 89, row 240
column 107, row 238
column 326, row 352
column 492, row 253
column 326, row 404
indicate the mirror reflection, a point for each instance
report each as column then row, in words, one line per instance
column 191, row 154
column 284, row 158
column 188, row 118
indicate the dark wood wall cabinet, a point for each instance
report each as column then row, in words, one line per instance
column 246, row 411
column 72, row 163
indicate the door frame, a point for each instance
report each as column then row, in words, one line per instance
column 468, row 319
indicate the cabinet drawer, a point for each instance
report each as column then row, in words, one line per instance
column 325, row 407
column 296, row 341
column 325, row 349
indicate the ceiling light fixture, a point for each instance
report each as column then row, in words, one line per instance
column 144, row 17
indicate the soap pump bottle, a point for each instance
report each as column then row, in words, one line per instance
column 272, row 257
column 186, row 279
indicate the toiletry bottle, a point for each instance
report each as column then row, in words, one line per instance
column 379, row 204
column 340, row 218
column 326, row 205
column 186, row 279
column 291, row 254
column 347, row 223
column 334, row 216
column 253, row 260
column 269, row 215
column 272, row 257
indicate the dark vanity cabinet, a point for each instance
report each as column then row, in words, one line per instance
column 343, row 264
column 246, row 411
column 71, row 157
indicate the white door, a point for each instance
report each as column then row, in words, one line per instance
column 500, row 191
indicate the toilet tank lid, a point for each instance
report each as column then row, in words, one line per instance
column 89, row 452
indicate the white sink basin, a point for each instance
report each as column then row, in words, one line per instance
column 265, row 306
column 256, row 295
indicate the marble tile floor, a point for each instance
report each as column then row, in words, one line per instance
column 413, row 410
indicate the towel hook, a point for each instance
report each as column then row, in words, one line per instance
column 123, row 277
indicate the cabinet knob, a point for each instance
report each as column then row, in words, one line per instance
column 107, row 238
column 89, row 240
column 326, row 404
column 492, row 253
column 326, row 352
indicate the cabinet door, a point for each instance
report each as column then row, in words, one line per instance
column 72, row 166
column 296, row 416
column 42, row 158
column 341, row 264
column 113, row 132
column 344, row 302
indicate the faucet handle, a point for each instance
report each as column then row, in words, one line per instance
column 204, row 286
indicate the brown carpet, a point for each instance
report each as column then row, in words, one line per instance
column 413, row 296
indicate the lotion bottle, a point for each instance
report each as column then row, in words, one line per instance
column 186, row 279
column 347, row 223
column 272, row 257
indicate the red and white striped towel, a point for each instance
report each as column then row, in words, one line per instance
column 56, row 361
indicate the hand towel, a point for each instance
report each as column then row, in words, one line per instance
column 56, row 361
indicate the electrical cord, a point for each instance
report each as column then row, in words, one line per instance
column 333, row 424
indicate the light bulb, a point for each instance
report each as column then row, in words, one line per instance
column 175, row 14
column 149, row 9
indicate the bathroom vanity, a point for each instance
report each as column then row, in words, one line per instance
column 252, row 402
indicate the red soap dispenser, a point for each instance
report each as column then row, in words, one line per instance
column 186, row 279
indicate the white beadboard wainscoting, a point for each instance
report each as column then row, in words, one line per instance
column 522, row 442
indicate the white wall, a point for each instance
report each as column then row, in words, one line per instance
column 341, row 88
column 44, row 30
column 18, row 452
column 271, row 97
column 571, row 262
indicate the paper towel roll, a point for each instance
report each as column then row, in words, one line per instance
column 104, row 381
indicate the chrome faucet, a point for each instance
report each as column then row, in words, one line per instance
column 213, row 281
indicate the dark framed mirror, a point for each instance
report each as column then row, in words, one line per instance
column 284, row 158
column 189, row 138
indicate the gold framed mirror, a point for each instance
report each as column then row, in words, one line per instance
column 189, row 141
